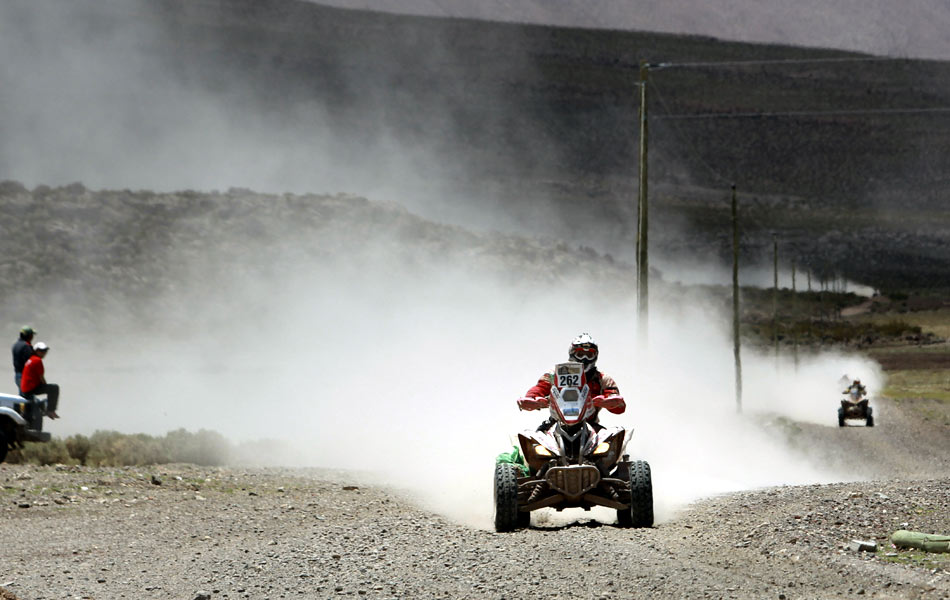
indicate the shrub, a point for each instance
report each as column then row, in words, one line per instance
column 42, row 453
column 898, row 328
column 206, row 448
column 114, row 449
column 78, row 447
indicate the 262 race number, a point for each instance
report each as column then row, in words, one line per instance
column 569, row 380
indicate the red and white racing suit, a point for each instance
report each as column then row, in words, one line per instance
column 600, row 384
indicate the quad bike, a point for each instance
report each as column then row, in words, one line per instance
column 573, row 463
column 854, row 406
column 21, row 420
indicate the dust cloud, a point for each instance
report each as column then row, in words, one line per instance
column 760, row 275
column 403, row 370
column 112, row 94
column 99, row 93
column 409, row 376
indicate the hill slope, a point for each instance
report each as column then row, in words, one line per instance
column 913, row 29
column 490, row 125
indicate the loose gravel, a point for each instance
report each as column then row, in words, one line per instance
column 187, row 532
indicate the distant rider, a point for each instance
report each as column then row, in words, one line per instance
column 584, row 350
column 34, row 381
column 856, row 385
column 22, row 351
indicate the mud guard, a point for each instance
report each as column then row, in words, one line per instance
column 514, row 458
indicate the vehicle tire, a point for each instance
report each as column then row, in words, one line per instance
column 507, row 517
column 870, row 418
column 840, row 417
column 3, row 446
column 640, row 513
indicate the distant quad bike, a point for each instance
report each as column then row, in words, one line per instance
column 572, row 464
column 21, row 420
column 853, row 407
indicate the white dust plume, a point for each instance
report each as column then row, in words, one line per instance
column 410, row 374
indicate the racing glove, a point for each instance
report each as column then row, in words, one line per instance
column 614, row 403
column 532, row 403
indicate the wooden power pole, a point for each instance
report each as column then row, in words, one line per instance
column 775, row 293
column 735, row 300
column 795, row 318
column 643, row 287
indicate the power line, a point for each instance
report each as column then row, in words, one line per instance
column 765, row 114
column 687, row 140
column 808, row 113
column 697, row 155
column 776, row 61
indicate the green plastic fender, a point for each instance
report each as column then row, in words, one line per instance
column 514, row 457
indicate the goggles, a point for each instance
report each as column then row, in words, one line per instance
column 588, row 352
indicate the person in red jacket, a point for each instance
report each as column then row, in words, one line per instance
column 603, row 388
column 34, row 381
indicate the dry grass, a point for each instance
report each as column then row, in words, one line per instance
column 933, row 321
column 918, row 376
column 933, row 384
column 114, row 449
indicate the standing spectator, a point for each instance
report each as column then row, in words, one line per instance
column 22, row 351
column 34, row 381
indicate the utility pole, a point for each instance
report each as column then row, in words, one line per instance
column 643, row 269
column 775, row 294
column 794, row 318
column 735, row 300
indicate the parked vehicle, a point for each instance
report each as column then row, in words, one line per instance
column 21, row 420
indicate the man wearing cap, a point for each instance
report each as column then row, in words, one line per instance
column 22, row 351
column 34, row 381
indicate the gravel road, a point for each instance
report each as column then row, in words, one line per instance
column 186, row 532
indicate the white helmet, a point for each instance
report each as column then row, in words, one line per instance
column 584, row 350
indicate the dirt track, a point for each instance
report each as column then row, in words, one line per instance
column 187, row 532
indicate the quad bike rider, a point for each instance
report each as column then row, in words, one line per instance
column 583, row 350
column 571, row 460
column 855, row 405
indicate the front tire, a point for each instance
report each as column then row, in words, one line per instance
column 640, row 513
column 4, row 445
column 507, row 516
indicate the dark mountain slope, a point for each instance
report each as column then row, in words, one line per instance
column 535, row 128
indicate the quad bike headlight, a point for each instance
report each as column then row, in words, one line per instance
column 602, row 448
column 541, row 450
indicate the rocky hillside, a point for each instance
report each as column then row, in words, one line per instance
column 152, row 257
column 510, row 126
column 876, row 26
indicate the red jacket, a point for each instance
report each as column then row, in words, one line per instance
column 32, row 374
column 600, row 384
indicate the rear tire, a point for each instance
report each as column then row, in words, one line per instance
column 870, row 418
column 841, row 417
column 4, row 446
column 507, row 517
column 640, row 513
